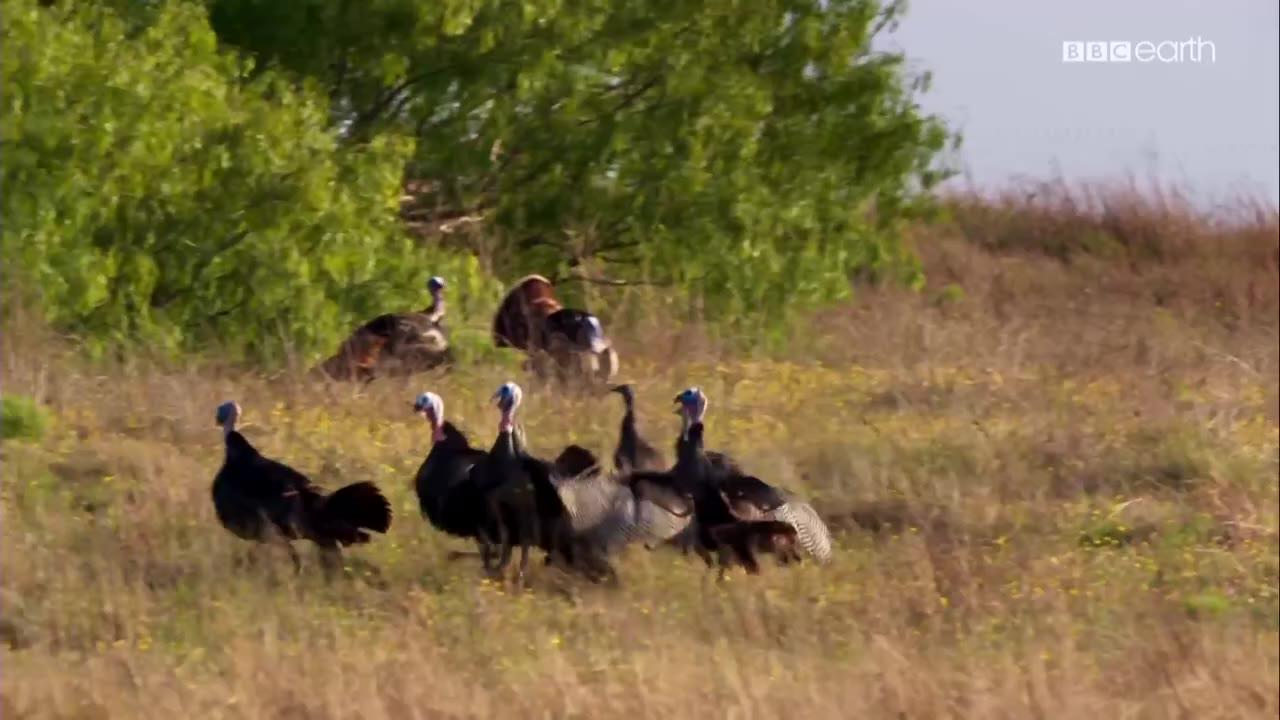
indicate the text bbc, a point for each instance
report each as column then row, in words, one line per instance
column 1191, row 50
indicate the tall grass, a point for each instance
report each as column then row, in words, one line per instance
column 1053, row 474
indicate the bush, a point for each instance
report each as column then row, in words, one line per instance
column 158, row 189
column 753, row 159
column 21, row 418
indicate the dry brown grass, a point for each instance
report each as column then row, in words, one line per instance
column 1054, row 472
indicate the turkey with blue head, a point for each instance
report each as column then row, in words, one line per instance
column 573, row 508
column 521, row 503
column 725, row 496
column 448, row 496
column 260, row 499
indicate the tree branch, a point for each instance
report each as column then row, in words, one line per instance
column 393, row 96
column 628, row 99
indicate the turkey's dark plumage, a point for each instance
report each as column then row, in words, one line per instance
column 574, row 460
column 662, row 488
column 255, row 496
column 579, row 330
column 742, row 540
column 729, row 505
column 724, row 494
column 523, row 506
column 447, row 495
column 633, row 451
column 697, row 476
column 748, row 496
column 721, row 464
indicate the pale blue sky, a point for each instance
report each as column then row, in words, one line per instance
column 998, row 75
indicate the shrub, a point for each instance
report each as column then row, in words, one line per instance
column 21, row 418
column 160, row 189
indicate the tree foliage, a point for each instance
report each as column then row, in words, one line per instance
column 754, row 154
column 227, row 172
column 157, row 188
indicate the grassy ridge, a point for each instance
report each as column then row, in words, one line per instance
column 1054, row 477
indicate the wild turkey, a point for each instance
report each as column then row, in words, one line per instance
column 639, row 461
column 557, row 339
column 608, row 512
column 741, row 541
column 749, row 499
column 520, row 317
column 394, row 343
column 633, row 452
column 447, row 495
column 521, row 502
column 721, row 464
column 593, row 515
column 257, row 498
column 743, row 497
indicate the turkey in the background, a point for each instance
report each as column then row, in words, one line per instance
column 560, row 342
column 395, row 344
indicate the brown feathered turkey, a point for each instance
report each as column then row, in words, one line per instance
column 559, row 341
column 394, row 344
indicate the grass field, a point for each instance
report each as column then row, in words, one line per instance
column 1053, row 474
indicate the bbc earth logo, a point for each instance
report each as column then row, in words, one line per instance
column 1194, row 50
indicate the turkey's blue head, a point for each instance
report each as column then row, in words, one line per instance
column 431, row 407
column 508, row 398
column 692, row 407
column 436, row 286
column 227, row 415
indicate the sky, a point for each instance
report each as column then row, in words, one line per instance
column 1210, row 127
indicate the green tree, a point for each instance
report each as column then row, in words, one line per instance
column 756, row 155
column 158, row 188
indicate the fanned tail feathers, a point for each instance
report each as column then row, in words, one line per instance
column 357, row 507
column 811, row 532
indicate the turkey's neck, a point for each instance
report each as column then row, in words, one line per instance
column 691, row 448
column 436, row 308
column 505, row 447
column 234, row 443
